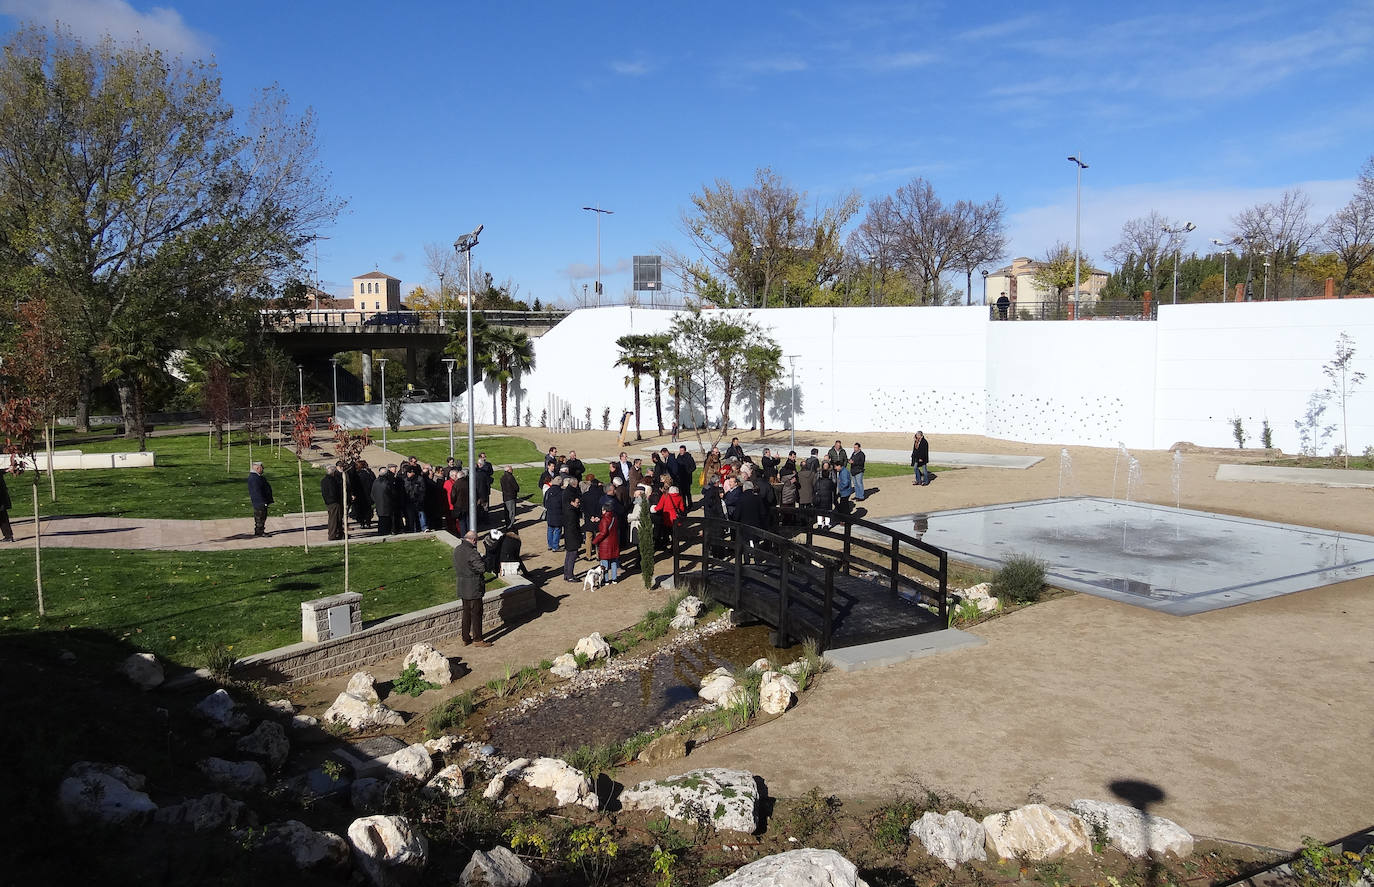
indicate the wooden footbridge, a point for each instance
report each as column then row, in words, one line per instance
column 857, row 582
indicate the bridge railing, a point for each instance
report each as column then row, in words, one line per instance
column 775, row 562
column 346, row 318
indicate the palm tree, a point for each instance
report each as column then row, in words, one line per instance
column 763, row 367
column 659, row 364
column 637, row 356
column 482, row 349
column 511, row 353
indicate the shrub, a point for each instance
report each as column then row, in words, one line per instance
column 220, row 660
column 1238, row 431
column 412, row 682
column 1021, row 579
column 1266, row 435
column 452, row 713
column 892, row 822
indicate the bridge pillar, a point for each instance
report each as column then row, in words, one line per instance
column 367, row 375
column 412, row 367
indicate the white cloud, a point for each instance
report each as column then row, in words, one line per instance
column 91, row 20
column 901, row 61
column 630, row 69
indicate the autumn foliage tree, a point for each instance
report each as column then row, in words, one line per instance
column 20, row 418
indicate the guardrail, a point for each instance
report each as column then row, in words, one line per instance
column 353, row 320
column 1127, row 309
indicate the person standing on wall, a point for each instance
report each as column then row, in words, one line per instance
column 920, row 459
column 470, row 575
column 259, row 493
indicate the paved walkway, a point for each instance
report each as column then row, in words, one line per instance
column 1282, row 474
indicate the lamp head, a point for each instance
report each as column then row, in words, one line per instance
column 1189, row 227
column 467, row 241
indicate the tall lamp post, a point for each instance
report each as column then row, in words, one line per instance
column 1266, row 280
column 449, row 362
column 300, row 379
column 1178, row 249
column 334, row 361
column 442, row 303
column 1225, row 261
column 382, row 361
column 985, row 286
column 599, row 213
column 792, row 412
column 464, row 245
column 1077, row 160
column 1293, row 282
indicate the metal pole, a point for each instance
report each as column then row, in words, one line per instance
column 1266, row 280
column 449, row 362
column 1293, row 282
column 1225, row 263
column 792, row 413
column 472, row 443
column 599, row 213
column 300, row 377
column 382, row 361
column 335, row 362
column 1077, row 216
column 1176, row 254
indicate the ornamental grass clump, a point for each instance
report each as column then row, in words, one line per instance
column 1021, row 580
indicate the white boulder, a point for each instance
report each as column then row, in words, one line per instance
column 760, row 664
column 236, row 776
column 497, row 786
column 777, row 692
column 568, row 784
column 952, row 837
column 432, row 664
column 387, row 849
column 729, row 797
column 981, row 595
column 306, row 848
column 565, row 666
column 594, row 647
column 103, row 793
column 268, row 742
column 363, row 685
column 143, row 670
column 447, row 783
column 360, row 714
column 1034, row 832
column 367, row 795
column 206, row 813
column 691, row 605
column 797, row 868
column 442, row 745
column 682, row 622
column 497, row 868
column 220, row 709
column 1135, row 833
column 282, row 707
column 413, row 761
column 721, row 689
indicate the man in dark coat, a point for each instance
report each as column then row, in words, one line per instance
column 6, row 532
column 470, row 573
column 553, row 513
column 366, row 480
column 485, row 473
column 575, row 466
column 592, row 497
column 734, row 451
column 687, row 470
column 510, row 494
column 259, row 493
column 920, row 459
column 381, row 497
column 857, row 461
column 837, row 455
column 331, row 491
column 572, row 531
column 398, row 500
column 415, row 499
column 769, row 464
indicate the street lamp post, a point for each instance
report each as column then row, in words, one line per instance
column 300, row 378
column 599, row 213
column 1225, row 262
column 382, row 361
column 464, row 245
column 1293, row 282
column 443, row 304
column 792, row 412
column 449, row 362
column 335, row 362
column 1266, row 280
column 1077, row 216
column 985, row 286
column 1178, row 250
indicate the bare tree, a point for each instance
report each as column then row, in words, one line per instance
column 1279, row 230
column 984, row 237
column 1148, row 240
column 874, row 243
column 1349, row 233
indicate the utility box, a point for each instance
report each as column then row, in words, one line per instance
column 336, row 616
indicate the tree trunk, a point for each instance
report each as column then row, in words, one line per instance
column 83, row 405
column 300, row 485
column 505, row 388
column 127, row 407
column 658, row 403
column 48, row 435
column 638, row 436
column 763, row 394
column 725, row 406
column 37, row 549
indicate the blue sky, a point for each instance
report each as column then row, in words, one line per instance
column 434, row 117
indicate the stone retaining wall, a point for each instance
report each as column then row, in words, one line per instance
column 300, row 663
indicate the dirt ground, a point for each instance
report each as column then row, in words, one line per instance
column 1255, row 721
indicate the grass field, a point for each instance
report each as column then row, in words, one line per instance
column 188, row 482
column 179, row 604
column 501, row 451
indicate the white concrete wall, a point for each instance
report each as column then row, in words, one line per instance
column 949, row 370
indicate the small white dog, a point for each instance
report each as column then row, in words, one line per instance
column 594, row 578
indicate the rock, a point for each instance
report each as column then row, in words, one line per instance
column 236, row 776
column 413, row 761
column 367, row 794
column 565, row 666
column 667, row 747
column 66, row 657
column 729, row 797
column 1033, row 832
column 760, row 664
column 282, row 707
column 305, row 848
column 304, row 723
column 442, row 745
column 388, row 850
column 432, row 664
column 594, row 647
column 952, row 837
column 310, row 786
column 220, row 709
column 777, row 692
column 207, row 813
column 499, row 868
column 981, row 595
column 143, row 670
column 448, row 783
column 682, row 622
column 269, row 742
column 363, row 685
column 568, row 784
column 691, row 605
column 103, row 793
column 360, row 714
column 1132, row 832
column 721, row 689
column 797, row 868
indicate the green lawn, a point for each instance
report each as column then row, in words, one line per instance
column 179, row 604
column 188, row 482
column 501, row 451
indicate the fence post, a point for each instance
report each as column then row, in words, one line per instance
column 829, row 603
column 848, row 531
column 784, row 588
column 739, row 563
column 896, row 549
column 944, row 584
column 672, row 540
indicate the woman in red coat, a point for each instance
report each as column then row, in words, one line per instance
column 607, row 542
